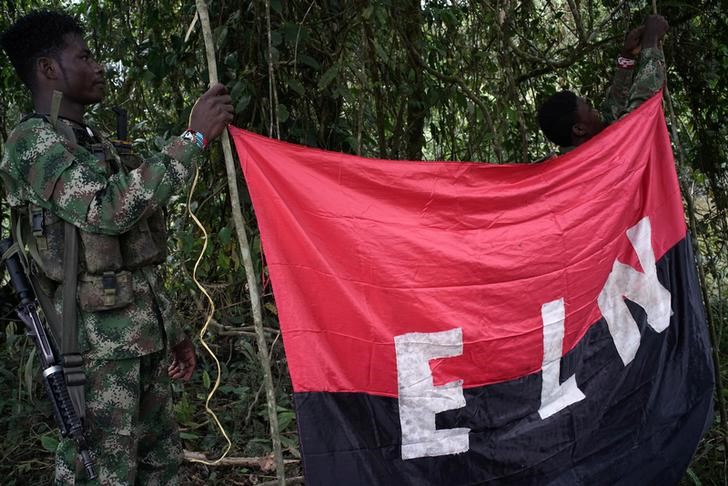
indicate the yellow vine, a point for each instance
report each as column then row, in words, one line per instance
column 203, row 331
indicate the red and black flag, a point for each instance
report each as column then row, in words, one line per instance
column 462, row 323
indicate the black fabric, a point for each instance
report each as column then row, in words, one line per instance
column 639, row 424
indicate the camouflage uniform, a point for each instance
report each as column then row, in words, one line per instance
column 130, row 425
column 631, row 87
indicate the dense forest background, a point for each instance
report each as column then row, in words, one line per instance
column 402, row 79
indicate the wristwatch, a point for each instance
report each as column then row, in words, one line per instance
column 196, row 137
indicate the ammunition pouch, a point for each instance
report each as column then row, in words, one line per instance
column 100, row 256
column 108, row 291
column 100, row 253
column 146, row 243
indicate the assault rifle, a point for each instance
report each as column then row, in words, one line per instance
column 55, row 381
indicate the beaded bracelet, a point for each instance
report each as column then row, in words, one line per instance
column 625, row 62
column 197, row 137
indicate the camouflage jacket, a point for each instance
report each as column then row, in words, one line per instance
column 42, row 167
column 631, row 87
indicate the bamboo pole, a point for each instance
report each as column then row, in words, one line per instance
column 245, row 252
column 692, row 224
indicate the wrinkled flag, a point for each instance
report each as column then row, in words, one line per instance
column 454, row 323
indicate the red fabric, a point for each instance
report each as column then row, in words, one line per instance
column 361, row 250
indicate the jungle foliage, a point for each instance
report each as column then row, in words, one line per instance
column 406, row 79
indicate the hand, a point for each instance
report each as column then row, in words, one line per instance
column 184, row 361
column 632, row 47
column 212, row 112
column 655, row 28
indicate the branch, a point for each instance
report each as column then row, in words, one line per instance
column 577, row 20
column 497, row 147
column 296, row 480
column 604, row 22
column 578, row 51
column 247, row 258
column 264, row 463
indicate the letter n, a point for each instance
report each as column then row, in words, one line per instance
column 642, row 288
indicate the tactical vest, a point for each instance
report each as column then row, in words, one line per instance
column 105, row 262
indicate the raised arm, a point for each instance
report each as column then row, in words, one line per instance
column 650, row 74
column 636, row 80
column 618, row 92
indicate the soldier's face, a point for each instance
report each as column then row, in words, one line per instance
column 588, row 118
column 82, row 78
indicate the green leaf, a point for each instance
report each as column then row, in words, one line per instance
column 206, row 379
column 242, row 104
column 220, row 35
column 296, row 86
column 188, row 436
column 148, row 76
column 282, row 112
column 271, row 308
column 292, row 31
column 231, row 60
column 49, row 442
column 225, row 235
column 291, row 444
column 694, row 477
column 28, row 372
column 237, row 89
column 328, row 76
column 275, row 38
column 223, row 262
column 309, row 61
column 285, row 419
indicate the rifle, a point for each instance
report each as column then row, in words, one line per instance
column 53, row 376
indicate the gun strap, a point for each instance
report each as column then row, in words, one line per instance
column 72, row 360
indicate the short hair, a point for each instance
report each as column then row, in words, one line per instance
column 37, row 34
column 557, row 115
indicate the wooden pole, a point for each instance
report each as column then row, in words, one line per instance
column 245, row 252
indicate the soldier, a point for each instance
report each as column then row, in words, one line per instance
column 568, row 120
column 60, row 173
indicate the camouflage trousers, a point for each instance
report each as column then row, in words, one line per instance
column 130, row 425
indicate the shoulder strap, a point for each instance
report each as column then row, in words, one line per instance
column 72, row 360
column 56, row 106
